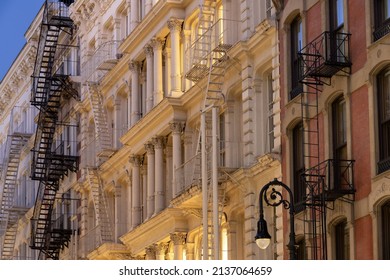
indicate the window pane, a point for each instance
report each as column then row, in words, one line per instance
column 340, row 12
column 386, row 231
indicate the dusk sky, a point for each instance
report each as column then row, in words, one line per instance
column 15, row 18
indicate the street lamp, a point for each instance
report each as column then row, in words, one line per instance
column 275, row 198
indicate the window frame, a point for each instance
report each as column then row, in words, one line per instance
column 383, row 123
column 298, row 167
column 296, row 39
column 381, row 22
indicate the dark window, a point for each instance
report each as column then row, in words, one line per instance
column 296, row 60
column 301, row 250
column 339, row 132
column 381, row 18
column 385, row 222
column 336, row 9
column 298, row 167
column 341, row 236
column 383, row 84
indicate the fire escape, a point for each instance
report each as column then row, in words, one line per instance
column 104, row 59
column 10, row 212
column 331, row 179
column 209, row 60
column 50, row 162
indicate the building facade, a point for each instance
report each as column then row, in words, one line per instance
column 149, row 128
column 156, row 123
column 334, row 60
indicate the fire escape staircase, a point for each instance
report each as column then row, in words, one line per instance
column 101, row 207
column 210, row 60
column 105, row 148
column 49, row 164
column 9, row 212
column 329, row 180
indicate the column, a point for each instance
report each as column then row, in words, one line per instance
column 179, row 239
column 136, row 189
column 190, row 251
column 150, row 180
column 168, row 174
column 144, row 174
column 117, row 121
column 129, row 104
column 159, row 174
column 150, row 252
column 160, row 251
column 134, row 8
column 134, row 67
column 178, row 182
column 188, row 56
column 174, row 26
column 248, row 111
column 167, row 77
column 149, row 77
column 129, row 205
column 157, row 67
column 118, row 213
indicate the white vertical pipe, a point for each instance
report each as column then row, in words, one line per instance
column 215, row 180
column 204, row 184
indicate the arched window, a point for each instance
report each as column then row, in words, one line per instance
column 341, row 241
column 296, row 36
column 384, row 232
column 298, row 166
column 383, row 105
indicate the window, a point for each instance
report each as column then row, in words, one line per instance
column 336, row 52
column 270, row 116
column 383, row 101
column 385, row 231
column 298, row 167
column 301, row 250
column 381, row 18
column 296, row 46
column 339, row 141
column 336, row 10
column 341, row 238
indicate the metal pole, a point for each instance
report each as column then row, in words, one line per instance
column 204, row 185
column 215, row 181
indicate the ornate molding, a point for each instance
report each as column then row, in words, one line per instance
column 156, row 43
column 148, row 51
column 178, row 238
column 177, row 127
column 175, row 24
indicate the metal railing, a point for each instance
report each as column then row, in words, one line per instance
column 330, row 48
column 382, row 30
column 103, row 60
column 220, row 37
column 335, row 178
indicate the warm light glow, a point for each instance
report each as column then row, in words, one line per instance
column 263, row 243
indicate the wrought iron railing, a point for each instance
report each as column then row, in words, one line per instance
column 329, row 49
column 103, row 59
column 382, row 30
column 331, row 178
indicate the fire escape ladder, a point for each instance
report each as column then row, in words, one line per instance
column 320, row 60
column 103, row 137
column 101, row 206
column 9, row 213
column 50, row 164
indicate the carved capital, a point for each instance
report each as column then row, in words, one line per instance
column 177, row 127
column 178, row 238
column 134, row 66
column 159, row 142
column 149, row 147
column 151, row 252
column 175, row 24
column 161, row 248
column 135, row 160
column 148, row 51
column 156, row 43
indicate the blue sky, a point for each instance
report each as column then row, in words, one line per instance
column 15, row 18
